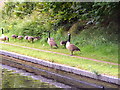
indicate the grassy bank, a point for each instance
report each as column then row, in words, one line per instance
column 92, row 66
column 94, row 49
column 96, row 41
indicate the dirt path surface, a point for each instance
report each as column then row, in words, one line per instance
column 61, row 54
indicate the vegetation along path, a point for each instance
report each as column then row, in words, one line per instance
column 61, row 53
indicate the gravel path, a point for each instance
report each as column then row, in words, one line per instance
column 61, row 54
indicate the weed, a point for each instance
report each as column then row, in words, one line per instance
column 96, row 72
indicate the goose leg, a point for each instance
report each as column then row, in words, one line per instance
column 64, row 46
column 32, row 41
column 56, row 46
column 8, row 39
column 71, row 53
column 50, row 46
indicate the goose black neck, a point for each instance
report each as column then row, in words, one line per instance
column 69, row 36
column 48, row 34
column 2, row 31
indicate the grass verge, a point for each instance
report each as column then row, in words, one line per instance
column 102, row 52
column 100, row 68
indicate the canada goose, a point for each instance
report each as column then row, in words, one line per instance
column 37, row 38
column 14, row 36
column 63, row 43
column 30, row 39
column 4, row 38
column 51, row 41
column 20, row 37
column 26, row 37
column 71, row 47
column 49, row 36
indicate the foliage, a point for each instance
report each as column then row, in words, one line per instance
column 18, row 9
column 34, row 18
column 64, row 12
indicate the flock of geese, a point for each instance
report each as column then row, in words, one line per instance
column 69, row 46
column 50, row 41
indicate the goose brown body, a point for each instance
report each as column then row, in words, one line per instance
column 20, row 37
column 72, row 47
column 14, row 36
column 4, row 38
column 30, row 38
column 37, row 38
column 52, row 43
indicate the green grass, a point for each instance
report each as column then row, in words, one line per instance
column 92, row 66
column 105, row 52
column 95, row 42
